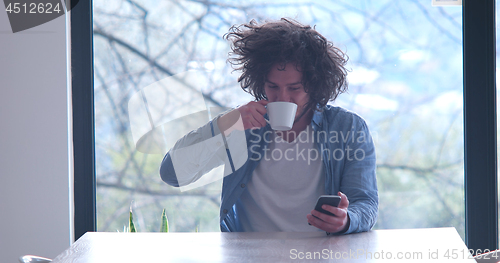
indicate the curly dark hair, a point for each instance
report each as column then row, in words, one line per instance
column 257, row 47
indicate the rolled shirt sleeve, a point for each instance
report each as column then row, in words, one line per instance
column 359, row 181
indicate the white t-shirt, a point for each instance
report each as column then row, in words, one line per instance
column 284, row 187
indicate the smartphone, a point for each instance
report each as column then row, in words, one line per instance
column 332, row 200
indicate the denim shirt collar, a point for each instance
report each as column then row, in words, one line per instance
column 317, row 120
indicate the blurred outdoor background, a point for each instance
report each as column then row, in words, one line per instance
column 405, row 81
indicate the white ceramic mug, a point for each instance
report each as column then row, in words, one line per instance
column 281, row 115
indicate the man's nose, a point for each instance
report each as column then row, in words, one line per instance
column 283, row 95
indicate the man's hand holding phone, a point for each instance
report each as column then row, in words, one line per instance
column 337, row 221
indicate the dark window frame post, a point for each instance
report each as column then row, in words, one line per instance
column 82, row 77
column 480, row 136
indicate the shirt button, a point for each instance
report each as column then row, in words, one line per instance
column 218, row 144
column 242, row 185
column 224, row 211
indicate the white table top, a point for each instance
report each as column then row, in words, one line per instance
column 401, row 245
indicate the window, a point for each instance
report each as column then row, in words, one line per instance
column 406, row 81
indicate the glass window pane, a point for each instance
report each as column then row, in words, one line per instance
column 405, row 81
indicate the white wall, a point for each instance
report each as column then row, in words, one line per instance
column 34, row 186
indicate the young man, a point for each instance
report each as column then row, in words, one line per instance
column 276, row 177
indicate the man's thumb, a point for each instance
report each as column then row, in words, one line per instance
column 344, row 201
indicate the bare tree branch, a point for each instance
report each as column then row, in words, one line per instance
column 152, row 62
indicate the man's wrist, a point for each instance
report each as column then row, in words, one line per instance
column 343, row 231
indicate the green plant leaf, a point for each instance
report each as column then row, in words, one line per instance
column 164, row 222
column 131, row 225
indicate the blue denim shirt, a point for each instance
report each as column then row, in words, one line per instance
column 347, row 152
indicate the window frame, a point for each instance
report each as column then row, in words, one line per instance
column 82, row 93
column 480, row 126
column 480, row 152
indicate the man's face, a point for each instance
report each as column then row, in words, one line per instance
column 285, row 84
